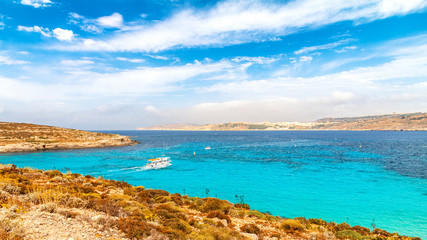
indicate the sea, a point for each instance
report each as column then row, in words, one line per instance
column 368, row 178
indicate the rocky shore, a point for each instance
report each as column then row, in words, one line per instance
column 19, row 137
column 36, row 204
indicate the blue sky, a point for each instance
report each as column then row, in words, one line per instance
column 123, row 64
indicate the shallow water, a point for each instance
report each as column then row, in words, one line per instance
column 359, row 177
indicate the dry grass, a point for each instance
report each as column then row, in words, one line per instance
column 145, row 213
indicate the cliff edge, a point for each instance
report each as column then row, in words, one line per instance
column 20, row 137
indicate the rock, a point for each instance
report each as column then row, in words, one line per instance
column 250, row 236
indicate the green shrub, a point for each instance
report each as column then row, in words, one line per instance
column 381, row 232
column 150, row 195
column 361, row 230
column 242, row 205
column 212, row 204
column 317, row 221
column 348, row 234
column 133, row 227
column 292, row 225
column 213, row 233
column 255, row 213
column 54, row 173
column 342, row 226
column 178, row 224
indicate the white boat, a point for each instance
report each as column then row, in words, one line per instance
column 157, row 163
column 207, row 148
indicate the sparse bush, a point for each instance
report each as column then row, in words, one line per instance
column 348, row 234
column 255, row 213
column 342, row 226
column 67, row 213
column 178, row 224
column 49, row 207
column 149, row 196
column 212, row 204
column 381, row 232
column 242, row 205
column 250, row 228
column 361, row 230
column 212, row 233
column 54, row 173
column 133, row 227
column 292, row 225
column 11, row 230
column 219, row 215
column 320, row 222
column 10, row 188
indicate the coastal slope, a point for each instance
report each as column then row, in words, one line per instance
column 18, row 137
column 51, row 205
column 388, row 122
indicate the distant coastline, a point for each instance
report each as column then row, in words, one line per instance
column 24, row 137
column 388, row 122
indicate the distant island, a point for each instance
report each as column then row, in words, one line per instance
column 388, row 122
column 19, row 137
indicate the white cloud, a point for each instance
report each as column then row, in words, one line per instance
column 76, row 63
column 92, row 85
column 158, row 57
column 5, row 60
column 113, row 21
column 324, row 46
column 151, row 109
column 258, row 60
column 37, row 3
column 305, row 59
column 96, row 25
column 236, row 22
column 1, row 22
column 132, row 60
column 63, row 34
column 91, row 28
column 58, row 33
column 345, row 49
column 44, row 31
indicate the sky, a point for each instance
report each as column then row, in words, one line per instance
column 123, row 64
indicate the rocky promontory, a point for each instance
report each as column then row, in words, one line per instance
column 20, row 137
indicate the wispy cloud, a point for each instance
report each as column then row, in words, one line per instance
column 37, row 3
column 258, row 60
column 76, row 63
column 85, row 24
column 132, row 60
column 96, row 25
column 306, row 50
column 6, row 60
column 44, row 31
column 58, row 33
column 235, row 22
column 1, row 22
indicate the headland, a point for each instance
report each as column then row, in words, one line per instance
column 20, row 137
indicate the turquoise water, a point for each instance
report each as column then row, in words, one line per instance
column 359, row 177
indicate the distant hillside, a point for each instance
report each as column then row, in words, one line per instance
column 392, row 122
column 17, row 137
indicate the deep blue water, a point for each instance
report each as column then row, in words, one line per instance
column 359, row 177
